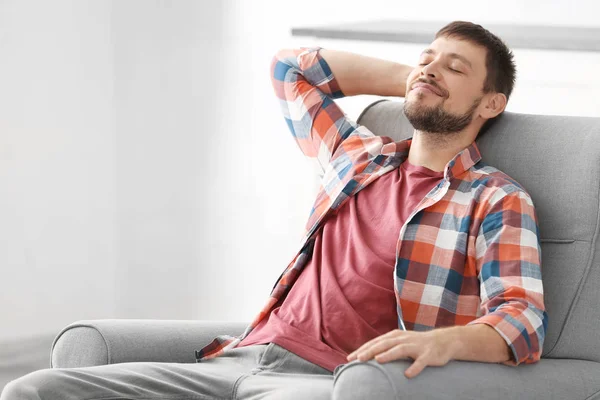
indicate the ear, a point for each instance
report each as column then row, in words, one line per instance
column 494, row 105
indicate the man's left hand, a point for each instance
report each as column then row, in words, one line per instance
column 432, row 348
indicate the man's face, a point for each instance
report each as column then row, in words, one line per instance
column 444, row 91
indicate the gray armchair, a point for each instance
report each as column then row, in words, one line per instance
column 557, row 159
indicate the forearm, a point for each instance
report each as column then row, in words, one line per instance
column 478, row 342
column 359, row 74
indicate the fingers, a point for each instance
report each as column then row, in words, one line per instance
column 416, row 368
column 378, row 348
column 366, row 346
column 396, row 352
column 370, row 349
column 406, row 351
column 388, row 349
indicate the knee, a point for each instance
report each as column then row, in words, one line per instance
column 31, row 387
column 362, row 380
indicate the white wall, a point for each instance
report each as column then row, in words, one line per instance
column 145, row 168
column 168, row 69
column 108, row 110
column 57, row 165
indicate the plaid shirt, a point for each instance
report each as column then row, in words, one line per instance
column 468, row 254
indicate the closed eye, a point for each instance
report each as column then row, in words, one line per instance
column 454, row 70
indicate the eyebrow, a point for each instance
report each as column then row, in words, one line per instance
column 453, row 55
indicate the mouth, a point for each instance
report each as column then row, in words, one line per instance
column 426, row 88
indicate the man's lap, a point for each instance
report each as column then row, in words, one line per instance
column 284, row 375
column 250, row 372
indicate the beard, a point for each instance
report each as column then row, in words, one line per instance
column 435, row 119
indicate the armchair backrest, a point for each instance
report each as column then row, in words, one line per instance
column 557, row 160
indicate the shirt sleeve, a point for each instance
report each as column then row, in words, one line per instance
column 306, row 87
column 508, row 255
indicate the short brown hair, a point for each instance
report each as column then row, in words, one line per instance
column 499, row 62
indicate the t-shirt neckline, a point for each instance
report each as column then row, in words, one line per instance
column 409, row 167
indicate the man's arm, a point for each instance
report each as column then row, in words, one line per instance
column 306, row 85
column 508, row 258
column 358, row 74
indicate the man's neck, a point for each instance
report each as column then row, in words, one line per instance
column 434, row 151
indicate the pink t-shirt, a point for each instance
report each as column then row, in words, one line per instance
column 344, row 297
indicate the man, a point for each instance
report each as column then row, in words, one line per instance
column 414, row 249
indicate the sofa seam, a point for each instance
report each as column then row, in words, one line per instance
column 80, row 325
column 583, row 280
column 562, row 241
column 593, row 396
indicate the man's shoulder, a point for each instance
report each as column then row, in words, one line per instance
column 495, row 181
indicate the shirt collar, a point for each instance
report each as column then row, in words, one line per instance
column 460, row 163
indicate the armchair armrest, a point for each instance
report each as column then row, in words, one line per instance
column 110, row 341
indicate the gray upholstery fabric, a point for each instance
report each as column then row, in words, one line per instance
column 545, row 380
column 111, row 341
column 557, row 160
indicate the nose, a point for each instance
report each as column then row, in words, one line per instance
column 430, row 70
